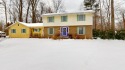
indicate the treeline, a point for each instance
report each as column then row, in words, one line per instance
column 30, row 10
column 109, row 21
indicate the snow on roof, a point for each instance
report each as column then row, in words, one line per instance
column 2, row 32
column 28, row 24
column 88, row 11
column 32, row 24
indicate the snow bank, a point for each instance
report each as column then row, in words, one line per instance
column 45, row 54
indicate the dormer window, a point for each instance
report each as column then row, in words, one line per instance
column 50, row 19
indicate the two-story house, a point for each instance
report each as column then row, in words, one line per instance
column 75, row 24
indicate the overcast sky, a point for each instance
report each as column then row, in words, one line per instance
column 70, row 5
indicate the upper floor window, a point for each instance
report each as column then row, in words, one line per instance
column 81, row 17
column 13, row 30
column 63, row 18
column 50, row 19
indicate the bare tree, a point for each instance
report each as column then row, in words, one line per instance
column 17, row 9
column 58, row 6
column 20, row 10
column 27, row 11
column 4, row 3
column 34, row 4
column 112, row 16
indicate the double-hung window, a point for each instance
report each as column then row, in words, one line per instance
column 50, row 19
column 50, row 31
column 13, row 30
column 80, row 30
column 23, row 30
column 64, row 18
column 81, row 17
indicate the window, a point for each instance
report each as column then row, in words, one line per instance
column 81, row 30
column 23, row 30
column 50, row 19
column 63, row 18
column 50, row 31
column 36, row 29
column 13, row 30
column 80, row 17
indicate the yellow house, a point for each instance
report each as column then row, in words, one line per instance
column 26, row 30
column 72, row 24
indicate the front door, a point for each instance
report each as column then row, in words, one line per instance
column 64, row 31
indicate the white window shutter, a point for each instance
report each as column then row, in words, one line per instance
column 84, row 30
column 77, row 30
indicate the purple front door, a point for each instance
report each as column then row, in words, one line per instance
column 64, row 31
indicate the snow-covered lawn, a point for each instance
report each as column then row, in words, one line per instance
column 47, row 54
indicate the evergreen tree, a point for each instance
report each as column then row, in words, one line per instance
column 90, row 4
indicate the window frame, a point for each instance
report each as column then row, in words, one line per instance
column 81, row 19
column 22, row 30
column 13, row 30
column 78, row 30
column 49, row 31
column 37, row 29
column 52, row 18
column 63, row 19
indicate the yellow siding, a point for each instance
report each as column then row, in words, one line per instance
column 18, row 33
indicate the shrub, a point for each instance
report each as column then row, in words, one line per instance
column 120, row 35
column 70, row 36
column 96, row 33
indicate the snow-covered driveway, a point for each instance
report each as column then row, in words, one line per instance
column 45, row 54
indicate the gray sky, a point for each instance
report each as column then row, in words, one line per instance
column 70, row 5
column 73, row 5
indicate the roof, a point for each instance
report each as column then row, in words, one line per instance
column 2, row 32
column 80, row 12
column 28, row 24
column 32, row 24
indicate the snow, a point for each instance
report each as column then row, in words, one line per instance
column 28, row 24
column 76, row 12
column 32, row 24
column 2, row 32
column 47, row 54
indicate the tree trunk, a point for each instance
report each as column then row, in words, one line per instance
column 123, row 16
column 101, row 15
column 6, row 13
column 27, row 11
column 21, row 11
column 112, row 17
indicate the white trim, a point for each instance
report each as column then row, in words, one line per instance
column 80, row 23
column 67, row 29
